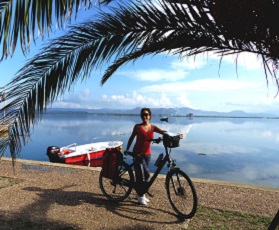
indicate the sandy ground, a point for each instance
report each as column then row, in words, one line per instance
column 59, row 197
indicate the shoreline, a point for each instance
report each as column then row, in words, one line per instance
column 198, row 180
column 159, row 115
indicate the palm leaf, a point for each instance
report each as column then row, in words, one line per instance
column 128, row 32
column 23, row 19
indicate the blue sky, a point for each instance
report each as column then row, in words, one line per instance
column 167, row 81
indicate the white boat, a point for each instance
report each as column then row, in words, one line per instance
column 87, row 154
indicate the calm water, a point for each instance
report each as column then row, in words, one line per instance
column 238, row 150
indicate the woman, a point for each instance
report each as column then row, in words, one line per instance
column 143, row 132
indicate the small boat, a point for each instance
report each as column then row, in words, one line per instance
column 87, row 155
column 164, row 119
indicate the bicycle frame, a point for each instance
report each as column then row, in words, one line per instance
column 180, row 190
column 143, row 187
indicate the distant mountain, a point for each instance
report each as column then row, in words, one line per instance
column 71, row 110
column 161, row 111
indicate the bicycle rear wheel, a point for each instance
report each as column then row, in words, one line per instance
column 181, row 193
column 120, row 187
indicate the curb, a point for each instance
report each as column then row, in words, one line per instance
column 195, row 180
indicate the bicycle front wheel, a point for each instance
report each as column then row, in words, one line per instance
column 120, row 187
column 181, row 193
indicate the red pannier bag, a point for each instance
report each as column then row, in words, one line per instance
column 111, row 159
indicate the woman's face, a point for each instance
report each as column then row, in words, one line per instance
column 145, row 116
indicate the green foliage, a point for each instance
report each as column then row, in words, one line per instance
column 7, row 181
column 23, row 20
column 210, row 219
column 126, row 32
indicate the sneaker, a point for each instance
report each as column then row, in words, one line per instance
column 141, row 200
column 146, row 199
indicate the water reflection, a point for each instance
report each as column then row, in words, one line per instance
column 239, row 150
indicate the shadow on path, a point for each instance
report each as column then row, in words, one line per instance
column 34, row 215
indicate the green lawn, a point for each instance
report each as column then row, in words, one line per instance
column 208, row 218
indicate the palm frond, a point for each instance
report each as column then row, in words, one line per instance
column 128, row 32
column 191, row 31
column 23, row 20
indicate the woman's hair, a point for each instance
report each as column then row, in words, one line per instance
column 146, row 109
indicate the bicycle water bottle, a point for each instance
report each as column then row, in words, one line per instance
column 159, row 160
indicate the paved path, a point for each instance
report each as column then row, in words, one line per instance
column 59, row 196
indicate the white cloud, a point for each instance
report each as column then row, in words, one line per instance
column 179, row 69
column 257, row 103
column 248, row 60
column 205, row 85
column 85, row 99
column 136, row 99
column 189, row 63
column 183, row 101
column 153, row 75
column 81, row 99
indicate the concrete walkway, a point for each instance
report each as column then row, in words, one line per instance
column 60, row 196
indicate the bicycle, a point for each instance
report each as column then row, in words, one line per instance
column 180, row 189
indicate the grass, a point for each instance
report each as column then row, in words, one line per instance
column 211, row 219
column 7, row 181
column 205, row 218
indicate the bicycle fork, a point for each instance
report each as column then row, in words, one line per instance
column 178, row 189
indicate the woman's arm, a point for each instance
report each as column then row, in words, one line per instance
column 158, row 130
column 132, row 137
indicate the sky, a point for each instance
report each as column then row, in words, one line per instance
column 165, row 81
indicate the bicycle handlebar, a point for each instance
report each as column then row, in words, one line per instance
column 156, row 140
column 159, row 139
